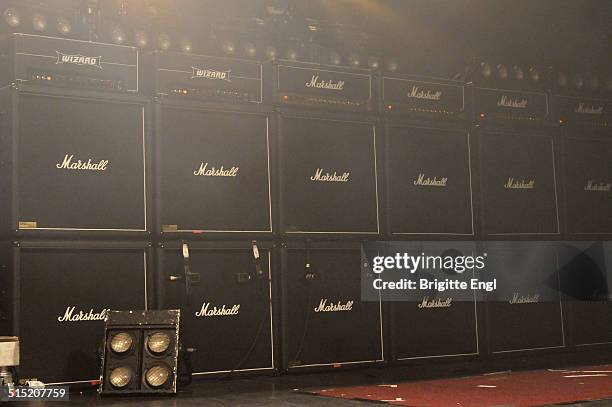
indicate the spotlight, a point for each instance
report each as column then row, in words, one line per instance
column 392, row 65
column 373, row 63
column 228, row 47
column 594, row 83
column 140, row 352
column 354, row 60
column 163, row 42
column 186, row 45
column 250, row 49
column 578, row 81
column 519, row 75
column 561, row 79
column 39, row 22
column 291, row 54
column 334, row 58
column 158, row 342
column 117, row 35
column 120, row 377
column 141, row 39
column 12, row 17
column 485, row 70
column 502, row 71
column 121, row 342
column 271, row 52
column 63, row 26
column 534, row 75
column 157, row 376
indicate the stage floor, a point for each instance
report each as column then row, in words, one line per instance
column 286, row 390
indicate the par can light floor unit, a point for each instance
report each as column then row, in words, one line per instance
column 140, row 352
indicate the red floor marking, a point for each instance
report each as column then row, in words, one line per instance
column 519, row 389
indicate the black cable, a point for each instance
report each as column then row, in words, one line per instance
column 309, row 276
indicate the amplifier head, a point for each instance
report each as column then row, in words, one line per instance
column 63, row 62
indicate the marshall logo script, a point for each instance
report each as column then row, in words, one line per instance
column 207, row 311
column 524, row 299
column 435, row 303
column 71, row 316
column 328, row 177
column 583, row 108
column 506, row 101
column 418, row 93
column 592, row 186
column 430, row 182
column 204, row 171
column 70, row 164
column 516, row 184
column 333, row 307
column 78, row 59
column 199, row 73
column 321, row 84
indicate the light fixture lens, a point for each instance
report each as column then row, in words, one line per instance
column 392, row 65
column 120, row 377
column 250, row 49
column 291, row 54
column 271, row 52
column 117, row 35
column 485, row 70
column 12, row 17
column 594, row 83
column 163, row 42
column 534, row 75
column 561, row 79
column 186, row 45
column 157, row 376
column 121, row 342
column 334, row 58
column 578, row 81
column 354, row 60
column 502, row 71
column 373, row 63
column 609, row 85
column 229, row 47
column 39, row 22
column 63, row 26
column 158, row 342
column 519, row 75
column 141, row 39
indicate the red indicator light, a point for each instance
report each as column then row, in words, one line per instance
column 389, row 107
column 286, row 98
column 482, row 115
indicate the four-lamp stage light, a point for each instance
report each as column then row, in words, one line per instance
column 140, row 352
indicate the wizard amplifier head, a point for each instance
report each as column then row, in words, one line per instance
column 207, row 78
column 49, row 61
column 423, row 98
column 331, row 88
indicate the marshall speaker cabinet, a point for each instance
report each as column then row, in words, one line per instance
column 61, row 62
column 587, row 170
column 56, row 296
column 74, row 161
column 516, row 164
column 227, row 317
column 428, row 163
column 324, row 321
column 328, row 176
column 524, row 313
column 586, row 280
column 437, row 324
column 214, row 141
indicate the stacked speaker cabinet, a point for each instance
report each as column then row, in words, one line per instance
column 214, row 210
column 517, row 172
column 584, row 128
column 328, row 189
column 75, row 168
column 429, row 196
